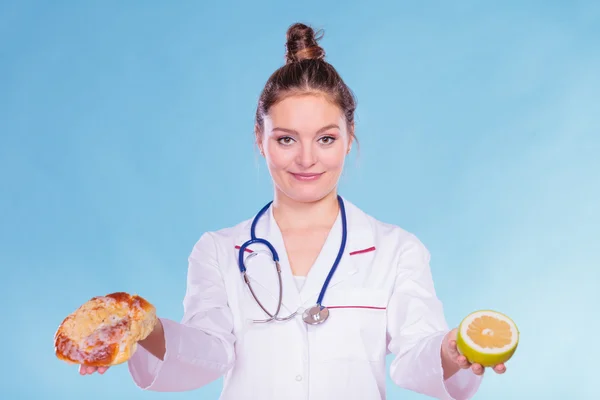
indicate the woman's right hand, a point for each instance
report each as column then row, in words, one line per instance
column 154, row 343
column 88, row 370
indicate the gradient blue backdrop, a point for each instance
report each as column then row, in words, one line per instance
column 126, row 132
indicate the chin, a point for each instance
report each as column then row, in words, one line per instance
column 306, row 194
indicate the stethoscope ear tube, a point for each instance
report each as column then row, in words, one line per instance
column 272, row 317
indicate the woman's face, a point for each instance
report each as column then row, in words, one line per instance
column 305, row 141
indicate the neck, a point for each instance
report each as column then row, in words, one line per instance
column 291, row 214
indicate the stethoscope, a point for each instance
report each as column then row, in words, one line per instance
column 318, row 313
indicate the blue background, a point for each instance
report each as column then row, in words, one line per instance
column 126, row 132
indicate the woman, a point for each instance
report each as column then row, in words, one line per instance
column 380, row 298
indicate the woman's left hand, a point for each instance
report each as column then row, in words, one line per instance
column 450, row 353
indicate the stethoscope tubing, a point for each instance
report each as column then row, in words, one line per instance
column 275, row 255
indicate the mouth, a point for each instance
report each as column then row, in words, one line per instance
column 304, row 177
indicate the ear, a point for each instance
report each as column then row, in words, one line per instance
column 258, row 139
column 350, row 137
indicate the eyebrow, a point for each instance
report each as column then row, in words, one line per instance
column 323, row 129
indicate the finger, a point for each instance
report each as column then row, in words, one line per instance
column 102, row 370
column 500, row 368
column 90, row 370
column 453, row 349
column 463, row 362
column 456, row 356
column 452, row 345
column 477, row 369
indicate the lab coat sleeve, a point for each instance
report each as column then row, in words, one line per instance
column 200, row 349
column 416, row 329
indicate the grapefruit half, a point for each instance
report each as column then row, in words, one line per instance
column 487, row 337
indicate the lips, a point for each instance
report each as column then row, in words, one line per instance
column 306, row 176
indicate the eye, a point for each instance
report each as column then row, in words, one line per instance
column 285, row 140
column 327, row 139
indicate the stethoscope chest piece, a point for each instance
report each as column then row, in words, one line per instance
column 315, row 315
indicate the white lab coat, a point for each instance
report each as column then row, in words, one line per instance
column 381, row 301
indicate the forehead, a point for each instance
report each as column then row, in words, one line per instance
column 304, row 113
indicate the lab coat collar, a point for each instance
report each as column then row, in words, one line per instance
column 358, row 252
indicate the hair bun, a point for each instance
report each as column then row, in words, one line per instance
column 302, row 44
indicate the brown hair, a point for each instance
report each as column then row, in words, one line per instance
column 305, row 71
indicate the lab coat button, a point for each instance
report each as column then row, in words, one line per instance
column 298, row 378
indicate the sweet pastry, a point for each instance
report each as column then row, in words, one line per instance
column 105, row 330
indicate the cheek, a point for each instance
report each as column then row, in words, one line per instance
column 279, row 158
column 333, row 160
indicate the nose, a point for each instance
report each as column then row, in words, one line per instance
column 307, row 156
